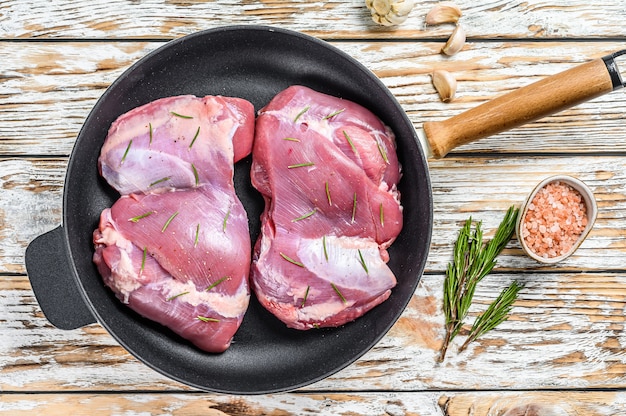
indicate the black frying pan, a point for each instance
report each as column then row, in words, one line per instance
column 253, row 63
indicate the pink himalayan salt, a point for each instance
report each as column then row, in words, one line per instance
column 556, row 217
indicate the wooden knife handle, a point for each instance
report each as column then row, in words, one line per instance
column 526, row 104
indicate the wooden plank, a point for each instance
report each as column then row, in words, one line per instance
column 322, row 404
column 48, row 89
column 331, row 19
column 565, row 332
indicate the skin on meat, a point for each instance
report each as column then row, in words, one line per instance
column 328, row 171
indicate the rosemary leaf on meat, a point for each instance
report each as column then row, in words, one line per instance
column 331, row 115
column 143, row 259
column 325, row 249
column 290, row 260
column 223, row 279
column 304, row 110
column 336, row 289
column 353, row 207
column 180, row 115
column 225, row 220
column 306, row 295
column 382, row 215
column 130, row 143
column 195, row 240
column 300, row 165
column 139, row 217
column 305, row 216
column 206, row 319
column 195, row 174
column 150, row 130
column 292, row 139
column 176, row 296
column 382, row 151
column 495, row 314
column 472, row 261
column 167, row 178
column 362, row 261
column 330, row 201
column 345, row 134
column 195, row 137
column 169, row 220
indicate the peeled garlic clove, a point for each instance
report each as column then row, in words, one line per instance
column 389, row 12
column 455, row 42
column 446, row 12
column 445, row 84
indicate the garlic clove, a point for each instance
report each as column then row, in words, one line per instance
column 456, row 41
column 446, row 12
column 445, row 84
column 389, row 12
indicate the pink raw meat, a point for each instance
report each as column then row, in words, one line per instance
column 328, row 171
column 176, row 247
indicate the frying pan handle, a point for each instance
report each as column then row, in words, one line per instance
column 542, row 98
column 52, row 280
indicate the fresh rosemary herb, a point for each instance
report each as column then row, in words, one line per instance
column 331, row 115
column 495, row 314
column 290, row 260
column 180, row 115
column 143, row 259
column 167, row 178
column 150, row 129
column 225, row 220
column 304, row 110
column 195, row 174
column 195, row 241
column 169, row 220
column 176, row 296
column 325, row 249
column 301, row 165
column 223, row 279
column 382, row 215
column 305, row 216
column 345, row 134
column 330, row 202
column 130, row 143
column 382, row 151
column 194, row 137
column 306, row 295
column 292, row 139
column 362, row 261
column 336, row 289
column 353, row 207
column 205, row 319
column 472, row 261
column 139, row 217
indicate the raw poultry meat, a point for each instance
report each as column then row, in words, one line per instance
column 176, row 247
column 328, row 171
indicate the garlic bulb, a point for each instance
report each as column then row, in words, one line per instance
column 389, row 12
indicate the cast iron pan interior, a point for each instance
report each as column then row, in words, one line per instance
column 254, row 63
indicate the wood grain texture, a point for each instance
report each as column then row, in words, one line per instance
column 335, row 19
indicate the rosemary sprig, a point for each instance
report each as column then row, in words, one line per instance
column 304, row 110
column 336, row 289
column 345, row 134
column 194, row 137
column 330, row 201
column 291, row 139
column 225, row 220
column 300, row 165
column 195, row 174
column 130, row 143
column 353, row 207
column 167, row 178
column 305, row 216
column 223, row 279
column 331, row 115
column 196, row 239
column 150, row 130
column 325, row 249
column 290, row 260
column 180, row 115
column 472, row 261
column 169, row 220
column 306, row 295
column 382, row 151
column 206, row 319
column 143, row 259
column 495, row 314
column 176, row 296
column 382, row 215
column 362, row 261
column 139, row 217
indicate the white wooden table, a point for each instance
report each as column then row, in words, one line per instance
column 560, row 353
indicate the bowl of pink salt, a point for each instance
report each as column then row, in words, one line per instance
column 556, row 218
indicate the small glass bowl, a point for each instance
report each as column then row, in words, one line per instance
column 592, row 212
